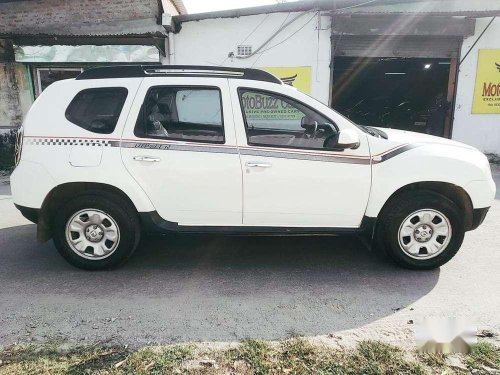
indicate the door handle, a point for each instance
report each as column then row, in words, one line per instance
column 252, row 164
column 150, row 159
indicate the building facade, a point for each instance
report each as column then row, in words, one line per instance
column 46, row 40
column 479, row 129
column 425, row 66
column 410, row 65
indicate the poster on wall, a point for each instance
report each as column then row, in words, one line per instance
column 260, row 107
column 487, row 89
column 296, row 76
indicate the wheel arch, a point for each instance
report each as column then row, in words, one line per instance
column 60, row 194
column 451, row 191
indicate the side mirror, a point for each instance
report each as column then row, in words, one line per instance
column 309, row 124
column 306, row 122
column 348, row 138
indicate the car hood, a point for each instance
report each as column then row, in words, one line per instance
column 403, row 136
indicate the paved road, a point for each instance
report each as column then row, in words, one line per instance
column 200, row 288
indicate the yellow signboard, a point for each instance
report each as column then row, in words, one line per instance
column 487, row 89
column 296, row 76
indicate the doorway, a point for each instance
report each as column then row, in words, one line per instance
column 46, row 76
column 401, row 93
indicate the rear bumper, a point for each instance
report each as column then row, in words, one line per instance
column 478, row 216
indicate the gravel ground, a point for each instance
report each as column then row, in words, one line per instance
column 215, row 288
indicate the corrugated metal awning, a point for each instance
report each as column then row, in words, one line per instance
column 144, row 26
column 466, row 8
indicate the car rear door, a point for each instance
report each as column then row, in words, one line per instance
column 179, row 145
column 289, row 178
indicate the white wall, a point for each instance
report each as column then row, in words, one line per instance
column 481, row 131
column 306, row 42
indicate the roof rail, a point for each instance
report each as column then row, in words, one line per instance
column 128, row 71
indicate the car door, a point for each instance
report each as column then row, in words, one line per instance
column 292, row 175
column 179, row 145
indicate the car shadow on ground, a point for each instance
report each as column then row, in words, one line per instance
column 210, row 287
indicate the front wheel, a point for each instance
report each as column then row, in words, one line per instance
column 421, row 230
column 96, row 232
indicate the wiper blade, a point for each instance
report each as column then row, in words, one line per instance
column 373, row 132
column 368, row 130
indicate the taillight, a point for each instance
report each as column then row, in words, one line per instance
column 19, row 144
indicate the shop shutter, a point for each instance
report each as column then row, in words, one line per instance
column 396, row 46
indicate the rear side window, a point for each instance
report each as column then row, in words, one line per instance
column 182, row 113
column 97, row 110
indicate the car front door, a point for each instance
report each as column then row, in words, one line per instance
column 292, row 174
column 179, row 145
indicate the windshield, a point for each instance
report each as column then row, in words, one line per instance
column 365, row 129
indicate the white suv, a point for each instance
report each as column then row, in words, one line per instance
column 124, row 150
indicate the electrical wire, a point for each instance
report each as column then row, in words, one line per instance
column 477, row 40
column 255, row 29
column 273, row 35
column 317, row 46
column 357, row 5
column 249, row 35
column 284, row 26
column 260, row 55
column 291, row 35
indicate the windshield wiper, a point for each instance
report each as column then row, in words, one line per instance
column 372, row 131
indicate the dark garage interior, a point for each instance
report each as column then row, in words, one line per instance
column 400, row 93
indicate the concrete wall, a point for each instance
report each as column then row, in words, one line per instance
column 306, row 42
column 479, row 130
column 15, row 94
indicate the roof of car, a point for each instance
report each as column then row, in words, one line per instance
column 129, row 71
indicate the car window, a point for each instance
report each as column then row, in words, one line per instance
column 97, row 110
column 275, row 120
column 182, row 113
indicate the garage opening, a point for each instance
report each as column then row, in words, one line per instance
column 400, row 93
column 397, row 81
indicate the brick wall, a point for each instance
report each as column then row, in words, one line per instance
column 54, row 16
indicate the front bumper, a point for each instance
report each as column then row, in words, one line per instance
column 29, row 213
column 478, row 216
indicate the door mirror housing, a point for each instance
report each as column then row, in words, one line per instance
column 348, row 139
column 307, row 122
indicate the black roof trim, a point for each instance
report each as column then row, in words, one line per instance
column 130, row 71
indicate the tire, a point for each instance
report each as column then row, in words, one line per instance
column 412, row 230
column 104, row 222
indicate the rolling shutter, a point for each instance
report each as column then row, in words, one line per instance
column 396, row 46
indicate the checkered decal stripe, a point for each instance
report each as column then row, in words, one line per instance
column 69, row 142
column 267, row 152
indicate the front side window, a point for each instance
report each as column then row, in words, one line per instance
column 182, row 113
column 97, row 110
column 279, row 121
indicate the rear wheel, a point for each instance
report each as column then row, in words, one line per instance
column 421, row 230
column 96, row 232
